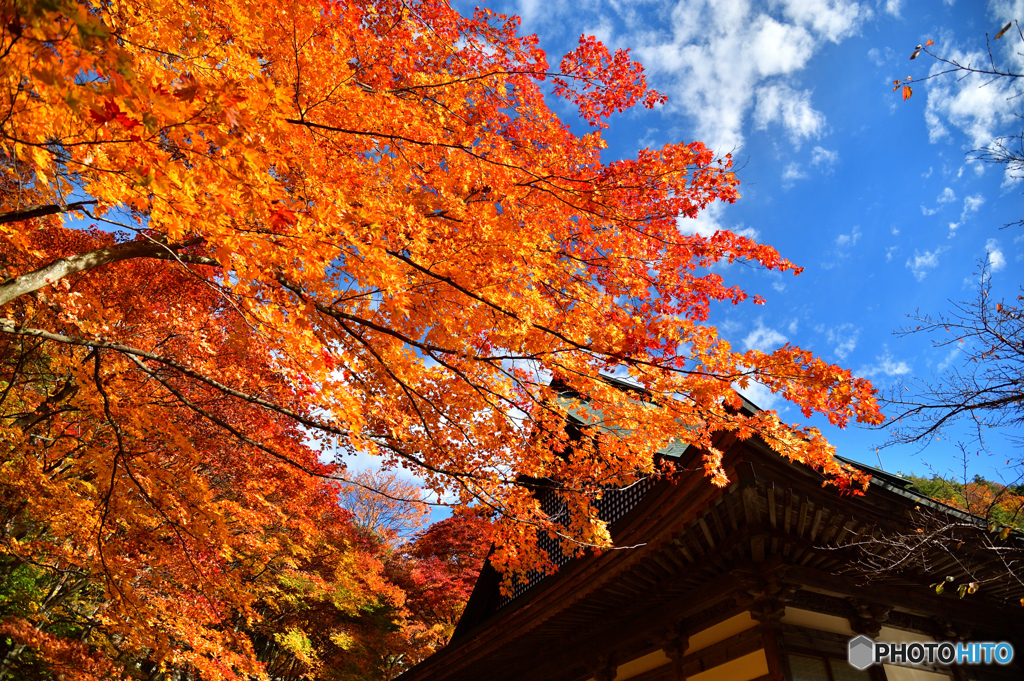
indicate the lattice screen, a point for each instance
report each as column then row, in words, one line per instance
column 613, row 505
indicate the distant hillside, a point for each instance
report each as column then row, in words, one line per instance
column 1001, row 505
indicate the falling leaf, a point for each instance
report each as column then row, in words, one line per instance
column 916, row 52
column 1004, row 30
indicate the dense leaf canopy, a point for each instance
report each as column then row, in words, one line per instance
column 352, row 226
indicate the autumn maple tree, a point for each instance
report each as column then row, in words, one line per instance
column 234, row 235
column 435, row 572
column 141, row 536
column 384, row 504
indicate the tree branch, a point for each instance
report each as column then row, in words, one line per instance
column 81, row 262
column 42, row 211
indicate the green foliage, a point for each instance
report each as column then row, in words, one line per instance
column 1001, row 505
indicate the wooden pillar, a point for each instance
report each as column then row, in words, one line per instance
column 770, row 593
column 870, row 617
column 603, row 667
column 953, row 631
column 769, row 618
column 675, row 647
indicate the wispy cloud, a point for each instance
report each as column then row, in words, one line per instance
column 844, row 339
column 979, row 107
column 996, row 259
column 783, row 105
column 709, row 221
column 880, row 57
column 950, row 356
column 777, row 281
column 791, row 173
column 763, row 338
column 885, row 365
column 759, row 394
column 848, row 240
column 920, row 263
column 974, row 105
column 971, row 205
column 824, row 159
column 947, row 196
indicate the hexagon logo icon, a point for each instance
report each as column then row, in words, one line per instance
column 861, row 652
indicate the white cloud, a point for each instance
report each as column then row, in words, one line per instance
column 764, row 339
column 844, row 338
column 832, row 19
column 950, row 356
column 880, row 57
column 848, row 240
column 531, row 12
column 759, row 394
column 791, row 173
column 922, row 262
column 708, row 221
column 730, row 327
column 885, row 364
column 823, row 157
column 996, row 259
column 779, row 48
column 777, row 283
column 889, row 251
column 717, row 61
column 603, row 30
column 893, row 7
column 782, row 104
column 947, row 196
column 971, row 205
column 794, row 325
column 976, row 105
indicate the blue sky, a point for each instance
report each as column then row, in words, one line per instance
column 873, row 196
